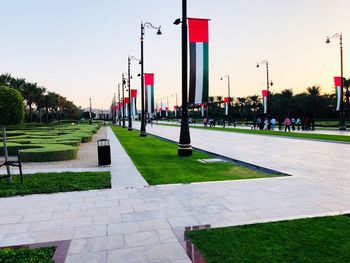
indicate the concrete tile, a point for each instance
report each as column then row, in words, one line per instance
column 95, row 257
column 90, row 231
column 153, row 224
column 141, row 239
column 166, row 252
column 123, row 228
column 107, row 219
column 128, row 255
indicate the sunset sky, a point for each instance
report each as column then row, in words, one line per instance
column 79, row 48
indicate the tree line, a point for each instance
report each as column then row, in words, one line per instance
column 309, row 103
column 41, row 104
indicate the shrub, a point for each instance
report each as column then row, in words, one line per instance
column 11, row 106
column 49, row 153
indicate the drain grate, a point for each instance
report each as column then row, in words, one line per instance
column 213, row 160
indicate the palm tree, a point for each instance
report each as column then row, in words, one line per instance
column 17, row 83
column 5, row 79
column 39, row 100
column 29, row 93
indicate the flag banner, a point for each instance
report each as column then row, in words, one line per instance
column 121, row 105
column 133, row 102
column 199, row 60
column 338, row 92
column 149, row 86
column 202, row 108
column 116, row 107
column 227, row 101
column 264, row 94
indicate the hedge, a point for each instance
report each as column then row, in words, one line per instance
column 49, row 153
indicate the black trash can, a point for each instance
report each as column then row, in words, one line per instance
column 104, row 152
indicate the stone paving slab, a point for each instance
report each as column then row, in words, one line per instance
column 138, row 224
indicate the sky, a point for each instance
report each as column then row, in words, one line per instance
column 79, row 48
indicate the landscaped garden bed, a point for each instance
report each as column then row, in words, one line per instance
column 27, row 255
column 324, row 239
column 45, row 183
column 48, row 143
column 158, row 162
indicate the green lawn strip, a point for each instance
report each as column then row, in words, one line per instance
column 41, row 183
column 158, row 162
column 314, row 136
column 27, row 255
column 325, row 239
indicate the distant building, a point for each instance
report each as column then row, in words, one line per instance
column 100, row 114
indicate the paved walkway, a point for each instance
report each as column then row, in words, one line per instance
column 123, row 171
column 137, row 225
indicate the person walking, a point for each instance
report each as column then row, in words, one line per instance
column 266, row 123
column 258, row 123
column 287, row 123
column 273, row 123
column 298, row 123
column 293, row 123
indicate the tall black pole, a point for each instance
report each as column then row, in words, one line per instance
column 268, row 89
column 129, row 106
column 185, row 148
column 123, row 84
column 143, row 132
column 119, row 111
column 342, row 125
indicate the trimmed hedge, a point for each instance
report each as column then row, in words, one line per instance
column 49, row 143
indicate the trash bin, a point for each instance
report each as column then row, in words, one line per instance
column 104, row 152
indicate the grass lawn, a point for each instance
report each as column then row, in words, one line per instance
column 327, row 137
column 325, row 239
column 26, row 255
column 158, row 162
column 41, row 183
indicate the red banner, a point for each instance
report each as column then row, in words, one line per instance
column 116, row 107
column 264, row 93
column 175, row 107
column 227, row 100
column 149, row 79
column 126, row 100
column 337, row 81
column 133, row 93
column 198, row 30
column 202, row 104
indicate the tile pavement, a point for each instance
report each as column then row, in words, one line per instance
column 138, row 224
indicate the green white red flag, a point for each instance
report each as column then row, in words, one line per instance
column 338, row 92
column 264, row 95
column 199, row 60
column 149, row 87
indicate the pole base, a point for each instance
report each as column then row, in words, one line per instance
column 129, row 129
column 342, row 128
column 184, row 150
column 143, row 134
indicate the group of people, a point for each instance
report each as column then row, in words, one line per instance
column 289, row 124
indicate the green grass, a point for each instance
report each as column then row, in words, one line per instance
column 325, row 239
column 26, row 255
column 41, row 183
column 158, row 162
column 326, row 137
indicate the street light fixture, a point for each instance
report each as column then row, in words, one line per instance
column 123, row 87
column 268, row 83
column 342, row 125
column 184, row 146
column 159, row 32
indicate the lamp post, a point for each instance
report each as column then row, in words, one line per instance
column 159, row 32
column 185, row 148
column 268, row 84
column 342, row 126
column 175, row 94
column 129, row 91
column 123, row 86
column 228, row 93
column 119, row 112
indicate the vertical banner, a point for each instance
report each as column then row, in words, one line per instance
column 227, row 102
column 133, row 102
column 264, row 95
column 127, row 105
column 338, row 92
column 121, row 106
column 202, row 109
column 149, row 87
column 199, row 60
column 175, row 111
